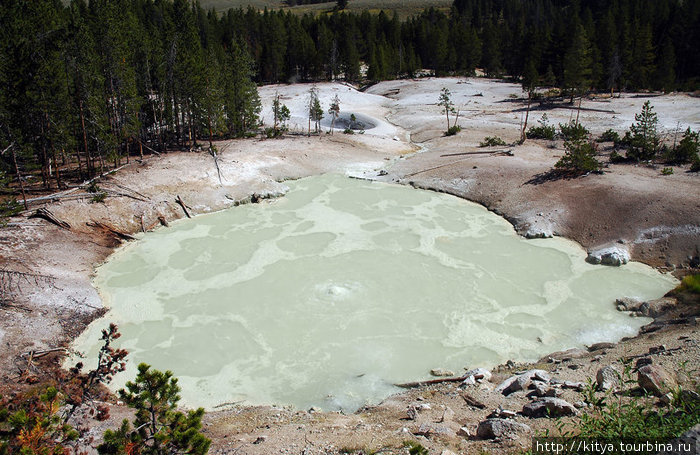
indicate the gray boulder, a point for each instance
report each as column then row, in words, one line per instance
column 654, row 308
column 607, row 378
column 628, row 304
column 502, row 429
column 655, row 379
column 521, row 381
column 548, row 406
column 688, row 440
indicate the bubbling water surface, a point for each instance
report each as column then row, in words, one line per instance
column 330, row 295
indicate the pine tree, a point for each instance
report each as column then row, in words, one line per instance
column 334, row 110
column 643, row 136
column 159, row 429
column 577, row 64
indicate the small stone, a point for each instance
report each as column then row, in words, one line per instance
column 628, row 304
column 440, row 372
column 464, row 432
column 260, row 439
column 607, row 378
column 573, row 366
column 428, row 429
column 314, row 410
column 573, row 385
column 562, row 356
column 468, row 382
column 501, row 428
column 580, row 404
column 553, row 393
column 521, row 381
column 538, row 390
column 479, row 374
column 657, row 349
column 666, row 399
column 655, row 379
column 600, row 346
column 552, row 407
column 447, row 415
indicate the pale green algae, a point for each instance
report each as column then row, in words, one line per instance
column 343, row 287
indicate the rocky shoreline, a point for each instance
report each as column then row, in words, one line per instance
column 463, row 418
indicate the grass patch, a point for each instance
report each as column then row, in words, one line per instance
column 492, row 141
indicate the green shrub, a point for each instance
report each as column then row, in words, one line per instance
column 492, row 141
column 617, row 158
column 451, row 131
column 667, row 171
column 609, row 136
column 573, row 131
column 579, row 157
column 544, row 131
column 690, row 283
column 348, row 131
column 695, row 167
column 98, row 197
column 686, row 151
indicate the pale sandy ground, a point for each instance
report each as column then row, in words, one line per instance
column 656, row 217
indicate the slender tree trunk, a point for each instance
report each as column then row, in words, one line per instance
column 578, row 111
column 523, row 133
column 89, row 164
column 19, row 179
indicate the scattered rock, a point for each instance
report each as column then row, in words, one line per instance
column 314, row 410
column 260, row 439
column 539, row 389
column 447, row 415
column 468, row 382
column 607, row 378
column 502, row 413
column 521, row 381
column 562, row 356
column 464, row 432
column 654, row 308
column 429, row 429
column 553, row 393
column 552, row 407
column 628, row 304
column 501, row 428
column 578, row 386
column 655, row 379
column 440, row 372
column 580, row 404
column 657, row 349
column 600, row 346
column 479, row 374
column 614, row 256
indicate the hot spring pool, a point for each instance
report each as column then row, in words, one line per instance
column 343, row 287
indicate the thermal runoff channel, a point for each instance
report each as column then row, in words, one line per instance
column 335, row 292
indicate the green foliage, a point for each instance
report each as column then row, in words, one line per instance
column 543, row 131
column 492, row 141
column 453, row 130
column 687, row 150
column 695, row 165
column 415, row 448
column 159, row 429
column 573, row 131
column 667, row 171
column 32, row 425
column 579, row 157
column 609, row 136
column 445, row 101
column 689, row 283
column 644, row 141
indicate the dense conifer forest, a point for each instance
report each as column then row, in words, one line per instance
column 92, row 83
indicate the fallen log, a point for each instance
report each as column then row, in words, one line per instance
column 39, row 354
column 46, row 214
column 120, row 234
column 411, row 385
column 182, row 204
column 485, row 152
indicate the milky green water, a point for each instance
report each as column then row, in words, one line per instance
column 343, row 287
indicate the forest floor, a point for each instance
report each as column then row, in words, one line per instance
column 655, row 217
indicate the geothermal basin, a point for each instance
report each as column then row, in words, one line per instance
column 335, row 292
